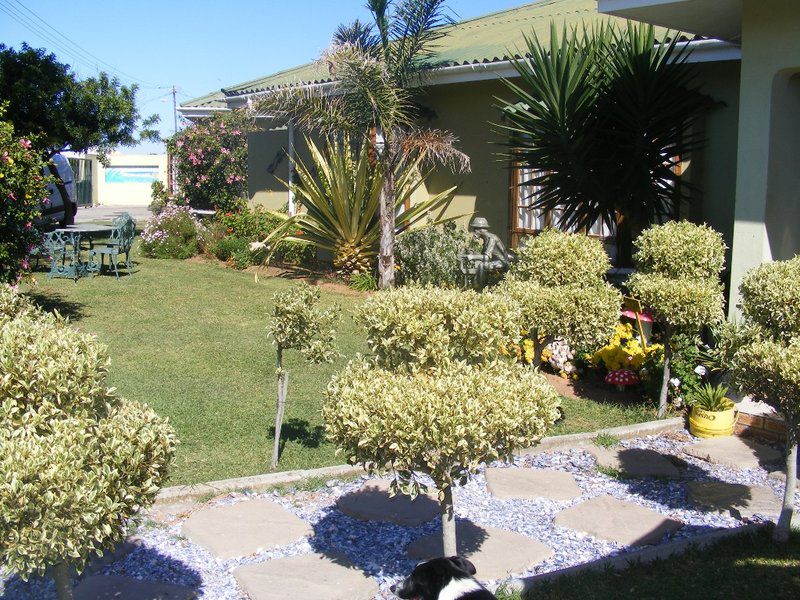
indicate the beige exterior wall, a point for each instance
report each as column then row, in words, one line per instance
column 767, row 212
column 110, row 190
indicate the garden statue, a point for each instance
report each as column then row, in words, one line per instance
column 494, row 257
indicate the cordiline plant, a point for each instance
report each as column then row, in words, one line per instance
column 340, row 193
column 298, row 324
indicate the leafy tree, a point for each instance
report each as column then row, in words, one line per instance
column 437, row 398
column 77, row 462
column 22, row 190
column 48, row 101
column 297, row 324
column 604, row 117
column 558, row 285
column 373, row 66
column 341, row 193
column 679, row 264
column 210, row 158
column 768, row 367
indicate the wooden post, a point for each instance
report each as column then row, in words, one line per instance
column 283, row 386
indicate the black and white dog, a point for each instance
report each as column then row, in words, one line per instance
column 442, row 579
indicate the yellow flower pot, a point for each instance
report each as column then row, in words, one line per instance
column 712, row 423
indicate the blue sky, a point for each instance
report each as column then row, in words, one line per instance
column 198, row 46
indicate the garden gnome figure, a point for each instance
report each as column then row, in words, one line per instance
column 494, row 256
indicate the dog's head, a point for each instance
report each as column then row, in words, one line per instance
column 430, row 577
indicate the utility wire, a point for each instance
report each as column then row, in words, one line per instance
column 76, row 50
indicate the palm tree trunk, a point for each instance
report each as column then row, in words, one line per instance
column 283, row 385
column 386, row 254
column 448, row 523
column 63, row 581
column 662, row 398
column 784, row 526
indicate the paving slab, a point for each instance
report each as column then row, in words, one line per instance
column 308, row 576
column 618, row 521
column 243, row 528
column 636, row 462
column 738, row 500
column 734, row 452
column 531, row 484
column 116, row 587
column 495, row 552
column 371, row 502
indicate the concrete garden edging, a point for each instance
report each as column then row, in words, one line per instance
column 262, row 482
column 648, row 555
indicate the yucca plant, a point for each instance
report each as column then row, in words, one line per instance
column 340, row 193
column 711, row 397
column 604, row 116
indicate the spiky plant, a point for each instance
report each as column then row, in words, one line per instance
column 340, row 192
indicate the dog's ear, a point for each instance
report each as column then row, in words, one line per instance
column 463, row 564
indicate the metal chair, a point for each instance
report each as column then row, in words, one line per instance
column 64, row 250
column 119, row 242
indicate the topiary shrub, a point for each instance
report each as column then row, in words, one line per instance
column 429, row 255
column 172, row 233
column 555, row 258
column 769, row 367
column 442, row 422
column 679, row 264
column 426, row 326
column 77, row 462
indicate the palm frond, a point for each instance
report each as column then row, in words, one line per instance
column 434, row 146
column 416, row 27
column 358, row 34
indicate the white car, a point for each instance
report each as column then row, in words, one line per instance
column 61, row 205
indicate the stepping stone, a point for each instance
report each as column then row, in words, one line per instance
column 371, row 502
column 740, row 501
column 309, row 576
column 618, row 521
column 495, row 552
column 636, row 462
column 116, row 587
column 243, row 528
column 734, row 452
column 531, row 484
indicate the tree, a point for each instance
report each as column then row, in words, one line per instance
column 210, row 158
column 768, row 367
column 77, row 462
column 558, row 284
column 297, row 324
column 374, row 65
column 437, row 398
column 341, row 193
column 22, row 190
column 679, row 264
column 47, row 101
column 604, row 117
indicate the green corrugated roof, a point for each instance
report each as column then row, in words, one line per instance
column 212, row 100
column 491, row 38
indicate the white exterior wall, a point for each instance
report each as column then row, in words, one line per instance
column 127, row 179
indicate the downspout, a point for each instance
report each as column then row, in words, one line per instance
column 290, row 156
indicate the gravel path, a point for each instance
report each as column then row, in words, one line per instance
column 378, row 548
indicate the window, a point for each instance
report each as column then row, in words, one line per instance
column 526, row 221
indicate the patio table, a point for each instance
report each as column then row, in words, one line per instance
column 89, row 232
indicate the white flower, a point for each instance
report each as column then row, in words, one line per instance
column 675, row 382
column 701, row 370
column 678, row 401
column 257, row 246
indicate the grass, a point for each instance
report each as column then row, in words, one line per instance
column 189, row 338
column 747, row 566
column 605, row 440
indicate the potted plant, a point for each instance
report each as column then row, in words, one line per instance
column 712, row 412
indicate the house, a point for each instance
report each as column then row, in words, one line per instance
column 735, row 181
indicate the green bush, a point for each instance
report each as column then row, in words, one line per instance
column 429, row 255
column 680, row 249
column 173, row 233
column 419, row 327
column 227, row 247
column 77, row 462
column 363, row 282
column 683, row 302
column 555, row 258
column 160, row 197
column 770, row 295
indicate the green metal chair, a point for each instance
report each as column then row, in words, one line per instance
column 119, row 242
column 64, row 250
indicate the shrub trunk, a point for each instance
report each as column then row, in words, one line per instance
column 784, row 526
column 448, row 523
column 283, row 386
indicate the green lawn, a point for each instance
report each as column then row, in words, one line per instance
column 189, row 338
column 747, row 566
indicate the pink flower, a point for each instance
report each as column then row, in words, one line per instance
column 225, row 151
column 25, row 264
column 11, row 196
column 4, row 157
column 28, row 225
column 25, row 143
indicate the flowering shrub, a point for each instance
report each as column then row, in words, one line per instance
column 624, row 351
column 210, row 158
column 22, row 190
column 172, row 233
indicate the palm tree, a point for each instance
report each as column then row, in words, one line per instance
column 375, row 66
column 604, row 117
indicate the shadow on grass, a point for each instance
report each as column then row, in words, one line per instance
column 56, row 302
column 300, row 431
